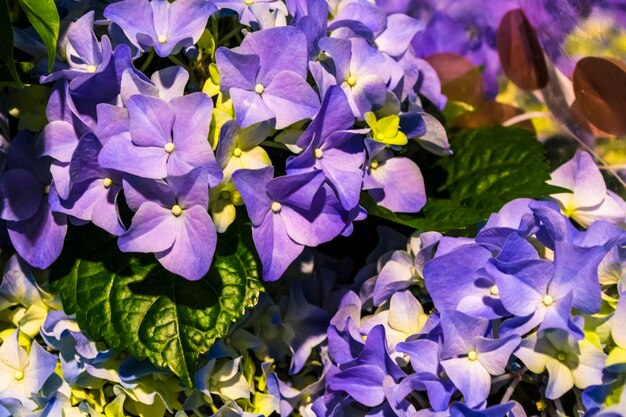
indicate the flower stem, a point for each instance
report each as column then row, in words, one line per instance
column 147, row 61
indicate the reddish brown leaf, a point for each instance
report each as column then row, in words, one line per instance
column 460, row 79
column 520, row 52
column 600, row 89
column 491, row 113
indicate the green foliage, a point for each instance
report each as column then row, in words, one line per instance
column 44, row 17
column 6, row 40
column 132, row 303
column 489, row 167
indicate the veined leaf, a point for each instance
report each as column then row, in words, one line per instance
column 132, row 303
column 489, row 167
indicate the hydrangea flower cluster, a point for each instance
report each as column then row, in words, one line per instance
column 436, row 326
column 180, row 178
column 338, row 95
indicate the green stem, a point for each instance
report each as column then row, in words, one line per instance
column 147, row 62
column 230, row 34
column 214, row 29
column 176, row 61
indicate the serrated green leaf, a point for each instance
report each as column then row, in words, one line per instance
column 6, row 40
column 489, row 167
column 132, row 303
column 44, row 17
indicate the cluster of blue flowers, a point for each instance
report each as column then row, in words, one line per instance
column 113, row 131
column 530, row 310
column 291, row 114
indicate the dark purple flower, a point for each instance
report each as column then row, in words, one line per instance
column 166, row 138
column 93, row 196
column 35, row 231
column 288, row 213
column 266, row 77
column 60, row 137
column 172, row 221
column 311, row 18
column 168, row 27
column 363, row 378
column 329, row 147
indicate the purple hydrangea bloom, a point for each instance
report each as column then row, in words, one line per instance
column 79, row 356
column 35, row 231
column 569, row 362
column 360, row 70
column 165, row 26
column 394, row 182
column 22, row 374
column 311, row 18
column 309, row 324
column 589, row 200
column 60, row 137
column 85, row 55
column 93, row 196
column 288, row 213
column 363, row 378
column 246, row 9
column 172, row 221
column 166, row 138
column 458, row 280
column 425, row 357
column 360, row 17
column 470, row 358
column 167, row 83
column 329, row 147
column 266, row 77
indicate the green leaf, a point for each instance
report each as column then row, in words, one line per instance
column 44, row 17
column 132, row 303
column 489, row 167
column 6, row 40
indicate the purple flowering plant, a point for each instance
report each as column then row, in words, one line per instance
column 189, row 191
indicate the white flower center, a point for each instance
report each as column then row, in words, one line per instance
column 177, row 210
column 318, row 153
column 259, row 88
column 276, row 206
column 162, row 39
column 494, row 290
column 91, row 68
column 169, row 147
column 472, row 355
column 548, row 300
